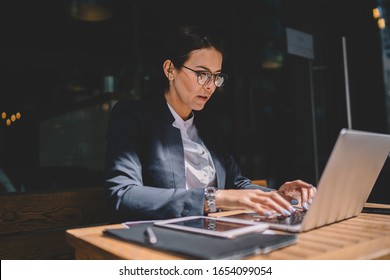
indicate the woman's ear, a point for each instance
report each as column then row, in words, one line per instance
column 169, row 68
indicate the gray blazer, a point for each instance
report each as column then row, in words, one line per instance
column 145, row 177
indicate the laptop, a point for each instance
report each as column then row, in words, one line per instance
column 345, row 184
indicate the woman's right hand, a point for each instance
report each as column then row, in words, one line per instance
column 264, row 203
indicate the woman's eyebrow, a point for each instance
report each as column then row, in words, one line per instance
column 207, row 69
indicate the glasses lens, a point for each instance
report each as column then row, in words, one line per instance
column 203, row 78
column 220, row 80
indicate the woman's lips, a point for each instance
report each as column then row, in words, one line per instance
column 204, row 98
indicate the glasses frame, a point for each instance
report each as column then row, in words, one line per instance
column 209, row 75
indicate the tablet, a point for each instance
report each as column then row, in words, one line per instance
column 221, row 227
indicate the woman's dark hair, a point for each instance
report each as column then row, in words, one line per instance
column 180, row 43
column 185, row 39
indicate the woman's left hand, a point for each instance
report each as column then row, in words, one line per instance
column 298, row 192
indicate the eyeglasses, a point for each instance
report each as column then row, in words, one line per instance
column 204, row 77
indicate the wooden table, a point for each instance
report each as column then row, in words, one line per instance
column 364, row 237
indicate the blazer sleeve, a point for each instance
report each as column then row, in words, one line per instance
column 128, row 197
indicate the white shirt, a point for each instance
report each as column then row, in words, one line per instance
column 199, row 166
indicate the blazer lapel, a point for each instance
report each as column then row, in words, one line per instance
column 173, row 145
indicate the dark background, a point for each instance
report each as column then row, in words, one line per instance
column 52, row 67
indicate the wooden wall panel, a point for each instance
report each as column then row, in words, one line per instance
column 32, row 225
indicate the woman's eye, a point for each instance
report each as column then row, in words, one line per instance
column 204, row 76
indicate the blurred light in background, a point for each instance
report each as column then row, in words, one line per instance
column 376, row 12
column 381, row 23
column 11, row 119
column 90, row 10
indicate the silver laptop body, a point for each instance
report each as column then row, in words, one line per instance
column 346, row 182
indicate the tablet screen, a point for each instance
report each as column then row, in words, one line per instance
column 222, row 227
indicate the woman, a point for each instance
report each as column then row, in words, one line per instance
column 159, row 163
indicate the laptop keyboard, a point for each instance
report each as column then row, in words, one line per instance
column 294, row 219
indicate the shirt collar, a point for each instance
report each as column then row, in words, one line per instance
column 179, row 122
